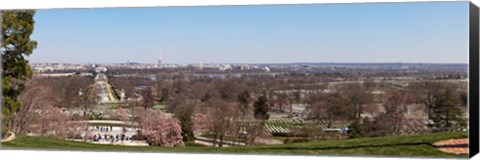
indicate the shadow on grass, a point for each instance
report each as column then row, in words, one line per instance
column 351, row 147
column 452, row 146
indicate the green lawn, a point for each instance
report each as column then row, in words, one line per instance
column 279, row 138
column 418, row 146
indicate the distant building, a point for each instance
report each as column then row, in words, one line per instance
column 266, row 69
column 48, row 68
column 244, row 67
column 100, row 69
column 37, row 69
column 226, row 67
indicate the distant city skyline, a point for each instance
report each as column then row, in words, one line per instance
column 431, row 32
column 239, row 63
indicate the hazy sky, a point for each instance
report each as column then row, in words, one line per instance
column 376, row 32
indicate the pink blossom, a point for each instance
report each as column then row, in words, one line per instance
column 160, row 130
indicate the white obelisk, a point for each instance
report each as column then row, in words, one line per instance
column 159, row 65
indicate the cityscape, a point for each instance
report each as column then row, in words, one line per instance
column 293, row 79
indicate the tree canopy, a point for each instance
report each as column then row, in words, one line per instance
column 261, row 108
column 17, row 27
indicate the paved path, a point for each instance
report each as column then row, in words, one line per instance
column 129, row 132
column 209, row 142
column 106, row 121
column 104, row 89
column 124, row 143
column 268, row 141
column 455, row 146
column 11, row 137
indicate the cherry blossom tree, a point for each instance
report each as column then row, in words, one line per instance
column 51, row 121
column 161, row 130
column 201, row 122
column 40, row 116
column 37, row 96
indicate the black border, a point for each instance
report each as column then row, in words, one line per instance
column 473, row 81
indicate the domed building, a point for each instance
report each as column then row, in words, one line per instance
column 100, row 69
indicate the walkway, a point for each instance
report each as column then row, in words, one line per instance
column 11, row 137
column 209, row 142
column 105, row 121
column 116, row 131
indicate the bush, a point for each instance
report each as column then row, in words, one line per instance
column 359, row 128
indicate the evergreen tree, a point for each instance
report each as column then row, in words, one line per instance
column 261, row 108
column 359, row 128
column 16, row 29
column 447, row 113
column 244, row 99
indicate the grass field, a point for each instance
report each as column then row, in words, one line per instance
column 403, row 146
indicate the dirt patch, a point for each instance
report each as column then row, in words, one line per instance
column 455, row 146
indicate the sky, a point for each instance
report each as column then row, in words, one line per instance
column 432, row 32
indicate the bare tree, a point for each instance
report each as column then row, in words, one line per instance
column 39, row 116
column 327, row 108
column 87, row 98
column 357, row 97
column 395, row 106
column 50, row 120
column 254, row 130
column 223, row 116
column 428, row 94
column 227, row 89
column 148, row 99
column 37, row 96
column 280, row 102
